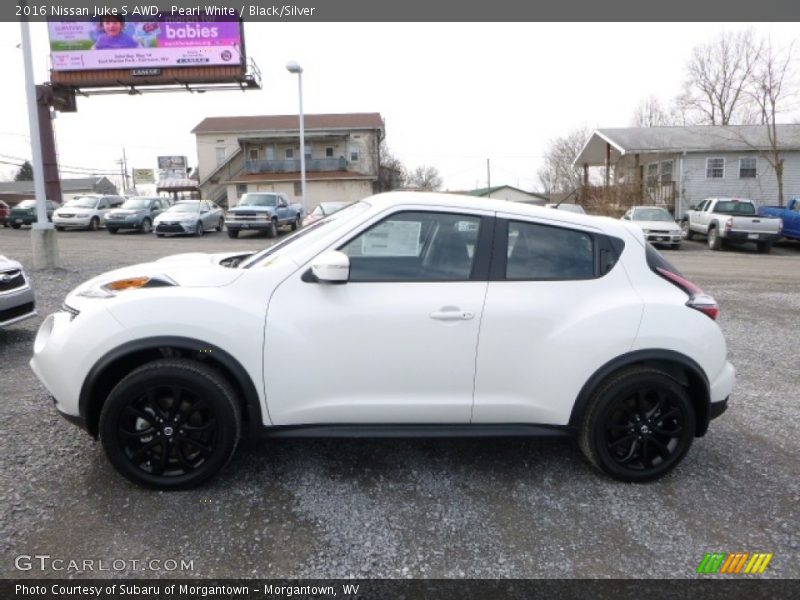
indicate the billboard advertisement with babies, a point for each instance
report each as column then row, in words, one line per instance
column 166, row 42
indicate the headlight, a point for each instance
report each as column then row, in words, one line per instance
column 112, row 288
column 646, row 231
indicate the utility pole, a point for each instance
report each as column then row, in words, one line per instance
column 488, row 179
column 125, row 170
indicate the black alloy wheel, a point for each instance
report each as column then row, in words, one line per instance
column 170, row 424
column 639, row 425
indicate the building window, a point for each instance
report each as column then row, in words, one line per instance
column 289, row 153
column 715, row 168
column 666, row 172
column 329, row 152
column 747, row 167
column 298, row 188
column 354, row 153
column 308, row 152
column 253, row 153
column 220, row 152
column 241, row 189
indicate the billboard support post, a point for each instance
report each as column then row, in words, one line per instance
column 43, row 235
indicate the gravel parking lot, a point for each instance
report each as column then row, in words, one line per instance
column 397, row 508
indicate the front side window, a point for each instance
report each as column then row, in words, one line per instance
column 415, row 246
column 747, row 168
column 715, row 168
column 544, row 252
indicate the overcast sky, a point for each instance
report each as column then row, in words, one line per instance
column 452, row 95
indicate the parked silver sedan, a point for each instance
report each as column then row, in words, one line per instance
column 189, row 217
column 16, row 294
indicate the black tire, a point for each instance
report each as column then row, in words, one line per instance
column 233, row 233
column 297, row 223
column 714, row 240
column 17, row 226
column 676, row 246
column 221, row 224
column 159, row 235
column 687, row 233
column 764, row 247
column 273, row 229
column 158, row 443
column 147, row 225
column 198, row 231
column 94, row 224
column 624, row 432
column 113, row 230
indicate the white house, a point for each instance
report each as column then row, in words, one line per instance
column 679, row 166
column 262, row 153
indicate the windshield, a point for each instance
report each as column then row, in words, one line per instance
column 734, row 207
column 137, row 203
column 184, row 207
column 651, row 214
column 318, row 228
column 257, row 200
column 83, row 202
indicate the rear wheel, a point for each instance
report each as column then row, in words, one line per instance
column 147, row 226
column 297, row 223
column 638, row 426
column 233, row 233
column 686, row 231
column 112, row 230
column 714, row 241
column 170, row 424
column 764, row 247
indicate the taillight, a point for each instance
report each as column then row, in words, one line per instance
column 698, row 299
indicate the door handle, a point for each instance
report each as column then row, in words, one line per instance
column 452, row 315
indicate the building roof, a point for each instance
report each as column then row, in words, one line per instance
column 78, row 184
column 289, row 123
column 672, row 140
column 487, row 191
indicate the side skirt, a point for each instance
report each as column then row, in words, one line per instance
column 415, row 430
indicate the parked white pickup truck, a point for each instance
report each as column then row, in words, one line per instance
column 733, row 220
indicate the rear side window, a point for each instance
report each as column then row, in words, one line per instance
column 656, row 260
column 537, row 251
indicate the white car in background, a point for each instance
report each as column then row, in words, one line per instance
column 574, row 208
column 658, row 225
column 586, row 331
column 85, row 212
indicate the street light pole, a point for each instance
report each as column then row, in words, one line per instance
column 293, row 67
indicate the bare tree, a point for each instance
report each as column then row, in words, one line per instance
column 718, row 75
column 392, row 173
column 650, row 113
column 771, row 88
column 425, row 178
column 558, row 174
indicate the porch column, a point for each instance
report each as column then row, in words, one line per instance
column 585, row 174
column 608, row 163
column 637, row 174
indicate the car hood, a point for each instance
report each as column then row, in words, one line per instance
column 7, row 264
column 177, row 216
column 126, row 212
column 663, row 225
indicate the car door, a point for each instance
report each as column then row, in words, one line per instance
column 397, row 342
column 704, row 215
column 557, row 306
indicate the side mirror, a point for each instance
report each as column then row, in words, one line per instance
column 331, row 267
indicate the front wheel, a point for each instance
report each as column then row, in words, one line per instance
column 233, row 233
column 272, row 231
column 170, row 424
column 714, row 241
column 221, row 224
column 147, row 226
column 198, row 231
column 638, row 425
column 94, row 224
column 17, row 226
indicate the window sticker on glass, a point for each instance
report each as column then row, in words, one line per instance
column 392, row 238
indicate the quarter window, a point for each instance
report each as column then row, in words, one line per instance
column 715, row 168
column 543, row 252
column 415, row 246
column 747, row 167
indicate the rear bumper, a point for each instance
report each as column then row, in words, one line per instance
column 744, row 236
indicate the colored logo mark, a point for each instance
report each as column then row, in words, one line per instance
column 734, row 563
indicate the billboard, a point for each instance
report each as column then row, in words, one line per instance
column 143, row 176
column 172, row 167
column 157, row 43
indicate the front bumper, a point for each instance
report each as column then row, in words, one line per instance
column 17, row 305
column 81, row 222
column 260, row 225
column 656, row 237
column 173, row 228
column 126, row 223
column 717, row 408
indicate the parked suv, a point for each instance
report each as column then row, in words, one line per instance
column 85, row 212
column 16, row 294
column 136, row 213
column 585, row 331
column 24, row 213
column 263, row 211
